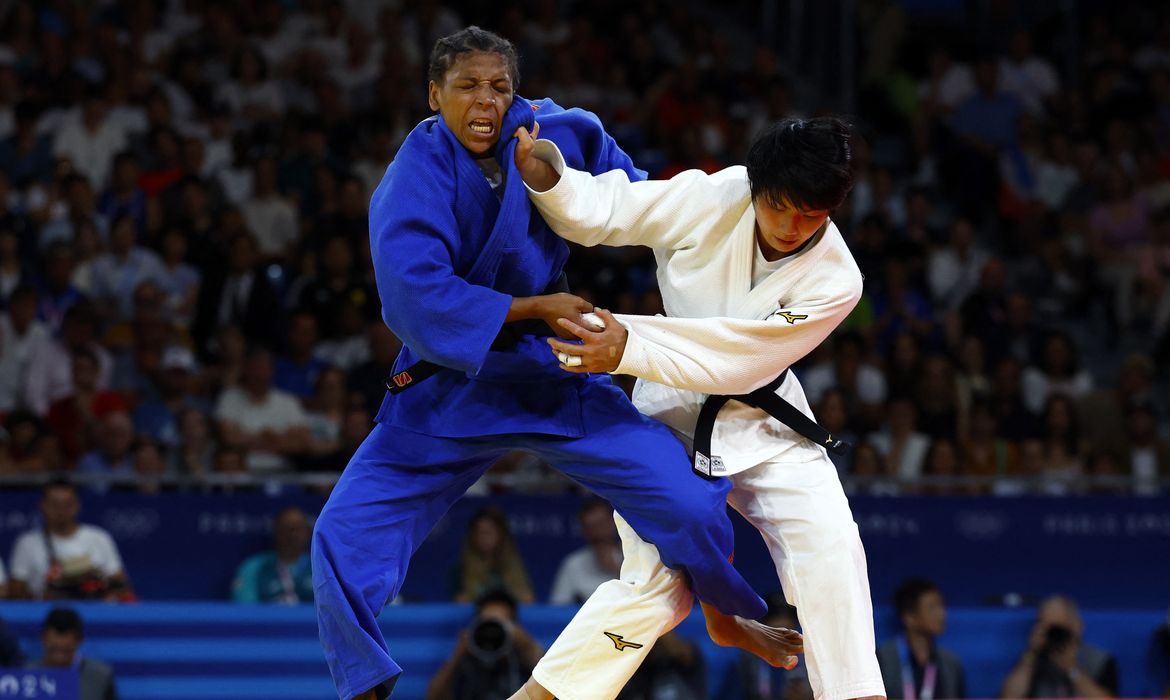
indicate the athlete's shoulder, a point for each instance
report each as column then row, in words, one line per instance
column 424, row 161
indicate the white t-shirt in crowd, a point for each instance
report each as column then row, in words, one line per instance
column 88, row 548
column 277, row 411
column 578, row 576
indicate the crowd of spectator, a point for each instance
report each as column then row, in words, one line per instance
column 185, row 281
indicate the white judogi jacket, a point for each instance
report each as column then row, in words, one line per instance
column 721, row 335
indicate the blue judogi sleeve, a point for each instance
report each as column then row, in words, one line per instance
column 414, row 236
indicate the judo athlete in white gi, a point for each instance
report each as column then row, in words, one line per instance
column 753, row 276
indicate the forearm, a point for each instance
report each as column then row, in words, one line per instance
column 522, row 309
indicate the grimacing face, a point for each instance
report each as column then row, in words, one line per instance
column 472, row 99
column 782, row 228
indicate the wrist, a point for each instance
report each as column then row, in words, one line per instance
column 521, row 309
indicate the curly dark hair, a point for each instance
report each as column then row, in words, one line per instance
column 469, row 40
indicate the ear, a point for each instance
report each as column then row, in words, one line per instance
column 433, row 95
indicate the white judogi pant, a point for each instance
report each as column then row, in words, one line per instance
column 801, row 511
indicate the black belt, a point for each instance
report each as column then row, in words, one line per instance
column 506, row 340
column 710, row 466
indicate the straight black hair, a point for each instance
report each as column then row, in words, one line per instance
column 808, row 162
column 63, row 621
column 909, row 592
column 469, row 40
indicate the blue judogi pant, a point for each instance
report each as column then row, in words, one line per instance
column 399, row 484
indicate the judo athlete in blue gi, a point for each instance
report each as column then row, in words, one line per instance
column 459, row 255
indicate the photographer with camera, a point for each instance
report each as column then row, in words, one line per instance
column 1057, row 662
column 493, row 656
column 66, row 560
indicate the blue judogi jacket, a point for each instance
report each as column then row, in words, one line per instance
column 449, row 256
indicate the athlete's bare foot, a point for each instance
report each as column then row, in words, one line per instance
column 776, row 645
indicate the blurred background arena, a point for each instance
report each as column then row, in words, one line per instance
column 183, row 191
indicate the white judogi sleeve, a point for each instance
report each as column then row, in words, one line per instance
column 609, row 209
column 710, row 355
column 730, row 355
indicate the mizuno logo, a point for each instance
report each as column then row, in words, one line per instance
column 621, row 644
column 791, row 317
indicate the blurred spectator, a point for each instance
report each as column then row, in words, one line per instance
column 57, row 292
column 877, row 476
column 297, row 370
column 899, row 440
column 157, row 417
column 913, row 664
column 986, row 454
column 936, row 395
column 948, row 83
column 600, row 560
column 269, row 423
column 124, row 198
column 1056, row 372
column 953, row 270
column 50, row 372
column 942, row 466
column 833, row 415
column 61, row 637
column 1014, row 419
column 1057, row 663
column 244, row 297
column 65, row 559
column 270, row 217
column 350, row 345
column 1103, row 411
column 22, row 337
column 753, row 679
column 29, row 448
column 3, row 595
column 194, row 454
column 27, row 155
column 338, row 285
column 117, row 273
column 113, row 458
column 492, row 657
column 327, row 411
column 674, row 668
column 282, row 574
column 74, row 417
column 1147, row 457
column 91, row 140
column 862, row 384
column 1030, row 78
column 490, row 561
column 148, row 467
column 1061, row 461
column 179, row 281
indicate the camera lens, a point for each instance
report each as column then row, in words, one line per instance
column 489, row 640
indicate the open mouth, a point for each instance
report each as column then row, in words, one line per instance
column 484, row 127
